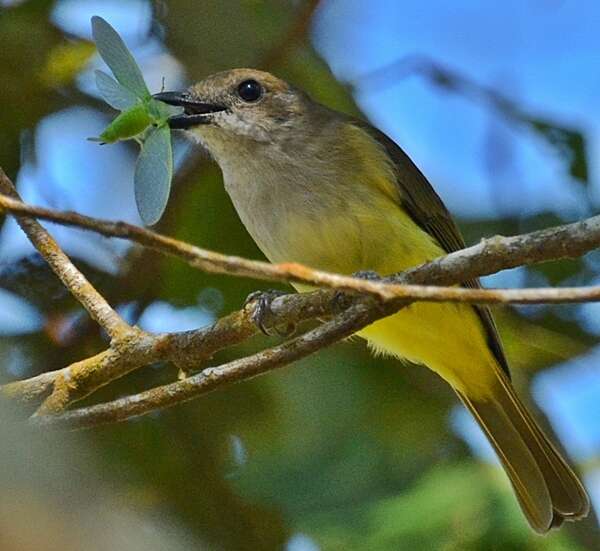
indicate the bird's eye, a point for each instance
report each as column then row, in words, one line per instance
column 250, row 90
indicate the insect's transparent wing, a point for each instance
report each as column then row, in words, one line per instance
column 113, row 93
column 153, row 172
column 118, row 58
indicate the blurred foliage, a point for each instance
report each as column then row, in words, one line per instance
column 449, row 509
column 355, row 452
column 36, row 61
column 64, row 62
column 570, row 143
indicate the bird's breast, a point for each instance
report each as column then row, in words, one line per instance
column 329, row 223
column 293, row 221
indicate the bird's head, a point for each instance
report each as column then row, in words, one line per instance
column 240, row 107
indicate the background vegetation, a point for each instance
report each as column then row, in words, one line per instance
column 342, row 451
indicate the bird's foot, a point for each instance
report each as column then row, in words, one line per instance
column 262, row 312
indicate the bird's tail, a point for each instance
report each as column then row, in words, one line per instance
column 548, row 490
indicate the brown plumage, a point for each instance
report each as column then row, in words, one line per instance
column 548, row 490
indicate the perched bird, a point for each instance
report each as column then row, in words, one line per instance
column 321, row 188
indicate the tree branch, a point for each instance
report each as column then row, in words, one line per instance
column 187, row 349
column 494, row 253
column 501, row 253
column 376, row 299
column 343, row 326
column 62, row 266
column 489, row 256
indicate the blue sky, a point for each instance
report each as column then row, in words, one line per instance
column 542, row 54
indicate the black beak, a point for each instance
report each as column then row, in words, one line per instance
column 195, row 111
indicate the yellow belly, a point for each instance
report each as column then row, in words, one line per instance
column 446, row 337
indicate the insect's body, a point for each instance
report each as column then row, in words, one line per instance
column 128, row 124
column 142, row 118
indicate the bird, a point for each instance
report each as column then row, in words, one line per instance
column 328, row 190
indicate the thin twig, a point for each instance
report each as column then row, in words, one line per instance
column 62, row 266
column 489, row 256
column 362, row 312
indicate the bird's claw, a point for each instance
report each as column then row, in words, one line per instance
column 262, row 312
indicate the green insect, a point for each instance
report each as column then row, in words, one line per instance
column 142, row 118
column 127, row 125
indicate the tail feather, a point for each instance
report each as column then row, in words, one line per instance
column 547, row 489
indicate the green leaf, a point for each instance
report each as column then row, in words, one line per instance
column 113, row 93
column 113, row 51
column 153, row 172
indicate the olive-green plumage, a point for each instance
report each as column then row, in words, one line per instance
column 314, row 186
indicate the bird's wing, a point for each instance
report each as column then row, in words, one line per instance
column 429, row 212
